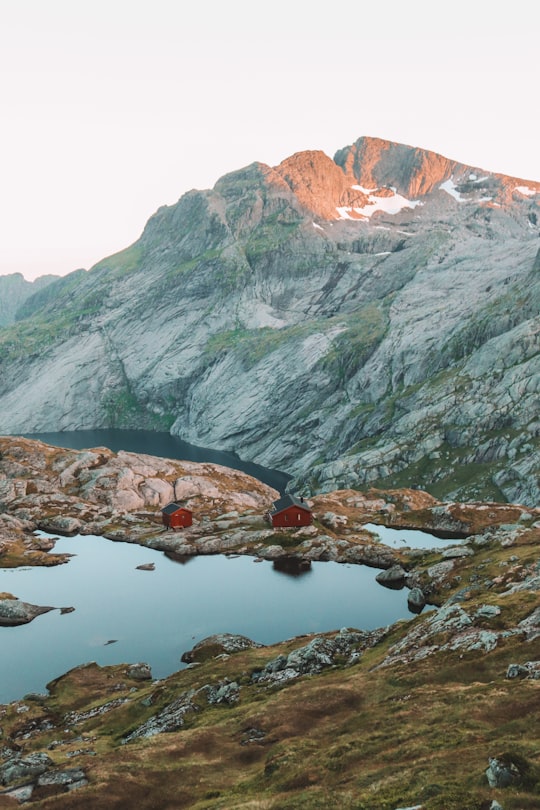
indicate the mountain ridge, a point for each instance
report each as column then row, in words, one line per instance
column 369, row 320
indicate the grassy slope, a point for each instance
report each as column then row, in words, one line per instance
column 357, row 736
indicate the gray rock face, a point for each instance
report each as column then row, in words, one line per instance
column 392, row 577
column 170, row 718
column 371, row 336
column 320, row 653
column 15, row 292
column 21, row 767
column 416, row 600
column 15, row 612
column 140, row 672
column 219, row 643
column 70, row 778
column 502, row 774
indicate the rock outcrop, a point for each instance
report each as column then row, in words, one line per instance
column 69, row 491
column 14, row 612
column 14, row 292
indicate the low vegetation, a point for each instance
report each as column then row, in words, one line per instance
column 404, row 718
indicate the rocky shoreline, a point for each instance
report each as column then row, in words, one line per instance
column 120, row 496
column 253, row 706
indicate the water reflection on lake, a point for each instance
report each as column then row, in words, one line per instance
column 410, row 538
column 127, row 615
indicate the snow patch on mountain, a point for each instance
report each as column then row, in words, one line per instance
column 390, row 204
column 528, row 192
column 451, row 188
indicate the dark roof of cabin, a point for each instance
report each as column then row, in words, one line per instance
column 289, row 500
column 171, row 508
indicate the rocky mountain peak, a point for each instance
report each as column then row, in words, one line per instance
column 374, row 163
column 374, row 175
column 318, row 183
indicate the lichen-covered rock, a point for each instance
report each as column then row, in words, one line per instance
column 502, row 774
column 211, row 646
column 20, row 767
column 455, row 552
column 440, row 571
column 392, row 577
column 224, row 693
column 273, row 552
column 171, row 718
column 70, row 778
column 321, row 652
column 530, row 669
column 15, row 612
column 416, row 600
column 140, row 672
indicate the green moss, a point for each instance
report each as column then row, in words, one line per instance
column 191, row 265
column 121, row 263
column 362, row 332
column 31, row 338
column 251, row 345
column 271, row 235
column 121, row 406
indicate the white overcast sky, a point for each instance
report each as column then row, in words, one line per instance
column 111, row 108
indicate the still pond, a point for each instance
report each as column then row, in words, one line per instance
column 123, row 614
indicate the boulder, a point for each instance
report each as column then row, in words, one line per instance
column 416, row 600
column 530, row 669
column 171, row 718
column 218, row 644
column 70, row 778
column 393, row 577
column 140, row 672
column 14, row 612
column 502, row 773
column 318, row 654
column 18, row 767
column 60, row 524
column 228, row 693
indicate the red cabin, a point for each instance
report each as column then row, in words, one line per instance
column 176, row 517
column 290, row 512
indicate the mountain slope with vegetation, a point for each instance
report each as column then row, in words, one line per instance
column 14, row 292
column 372, row 319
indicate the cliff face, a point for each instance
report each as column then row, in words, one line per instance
column 371, row 319
column 14, row 291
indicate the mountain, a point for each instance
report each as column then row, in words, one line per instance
column 14, row 290
column 367, row 320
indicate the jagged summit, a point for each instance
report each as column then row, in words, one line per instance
column 379, row 175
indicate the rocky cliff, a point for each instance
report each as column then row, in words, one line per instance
column 14, row 291
column 371, row 319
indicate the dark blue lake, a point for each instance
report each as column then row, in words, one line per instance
column 155, row 616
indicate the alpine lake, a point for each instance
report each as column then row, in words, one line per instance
column 110, row 611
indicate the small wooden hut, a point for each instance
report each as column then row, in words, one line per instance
column 175, row 516
column 290, row 512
